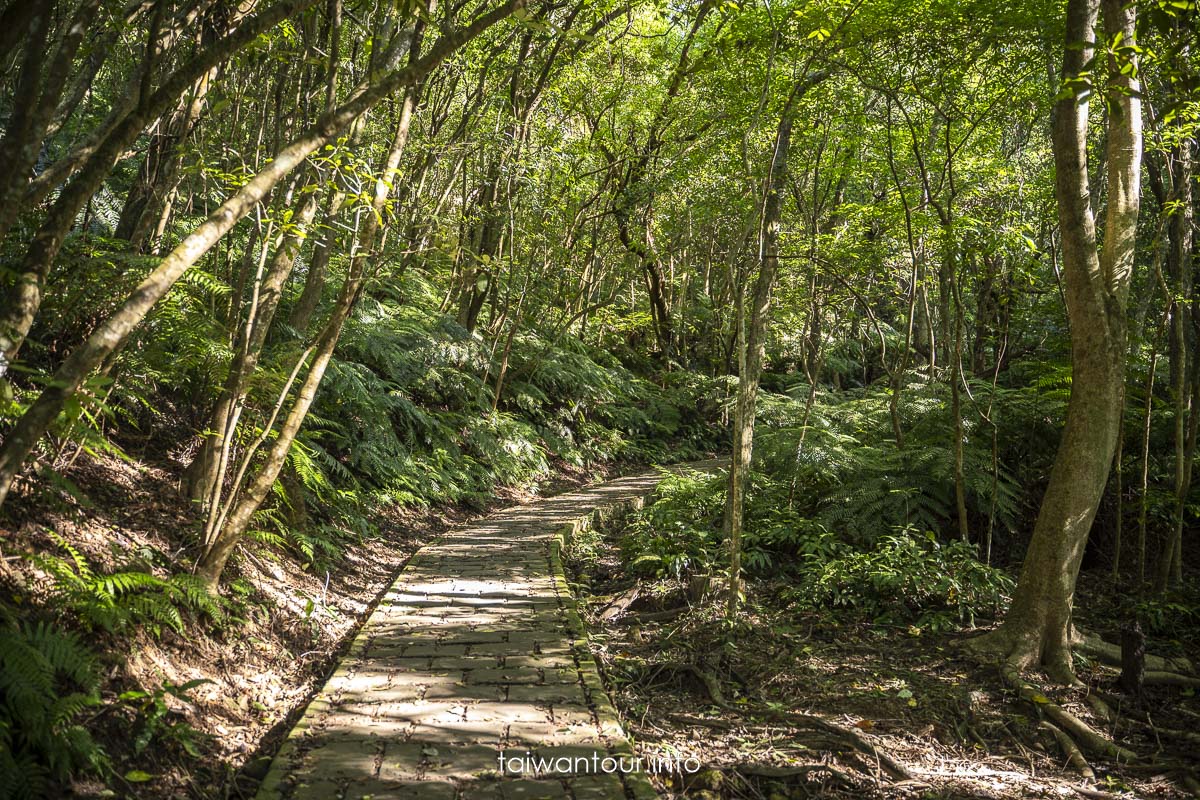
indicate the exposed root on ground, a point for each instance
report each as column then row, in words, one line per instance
column 1019, row 651
column 1109, row 653
column 1169, row 679
column 849, row 737
column 1067, row 724
column 772, row 771
column 1070, row 750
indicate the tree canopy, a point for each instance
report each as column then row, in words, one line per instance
column 924, row 271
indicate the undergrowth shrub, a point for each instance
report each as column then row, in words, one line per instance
column 907, row 576
column 679, row 533
column 155, row 721
column 902, row 575
column 118, row 601
column 423, row 387
column 48, row 679
column 844, row 470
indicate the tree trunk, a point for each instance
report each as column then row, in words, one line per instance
column 113, row 331
column 159, row 174
column 753, row 335
column 1037, row 630
column 35, row 102
column 226, row 530
column 1181, row 351
column 266, row 296
column 20, row 308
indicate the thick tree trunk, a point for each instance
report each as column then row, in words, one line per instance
column 1037, row 629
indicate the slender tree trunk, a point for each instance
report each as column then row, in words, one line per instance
column 1119, row 513
column 39, row 87
column 112, row 332
column 266, row 296
column 226, row 529
column 159, row 175
column 20, row 308
column 753, row 334
column 1144, row 504
column 1181, row 351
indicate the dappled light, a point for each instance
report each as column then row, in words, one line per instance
column 599, row 399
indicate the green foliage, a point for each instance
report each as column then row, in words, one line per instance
column 906, row 576
column 423, row 389
column 48, row 678
column 901, row 575
column 845, row 472
column 679, row 533
column 117, row 601
column 156, row 722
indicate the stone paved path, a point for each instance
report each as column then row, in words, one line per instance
column 475, row 653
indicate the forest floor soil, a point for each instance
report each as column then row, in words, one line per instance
column 262, row 669
column 739, row 700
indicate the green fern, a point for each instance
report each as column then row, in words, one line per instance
column 48, row 678
column 117, row 601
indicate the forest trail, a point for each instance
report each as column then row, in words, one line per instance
column 476, row 650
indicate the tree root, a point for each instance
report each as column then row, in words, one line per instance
column 849, row 735
column 1101, row 708
column 1095, row 794
column 1111, row 654
column 715, row 724
column 1165, row 678
column 650, row 616
column 709, row 681
column 1169, row 733
column 1070, row 750
column 621, row 603
column 1088, row 738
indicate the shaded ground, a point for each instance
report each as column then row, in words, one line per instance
column 471, row 662
column 738, row 701
column 291, row 624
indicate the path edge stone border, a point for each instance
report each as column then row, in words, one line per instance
column 637, row 784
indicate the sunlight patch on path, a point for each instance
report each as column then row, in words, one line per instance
column 471, row 679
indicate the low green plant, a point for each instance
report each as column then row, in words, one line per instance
column 117, row 601
column 156, row 722
column 48, row 679
column 680, row 532
column 908, row 576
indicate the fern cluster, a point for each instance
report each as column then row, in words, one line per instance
column 845, row 471
column 48, row 678
column 118, row 601
column 405, row 416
